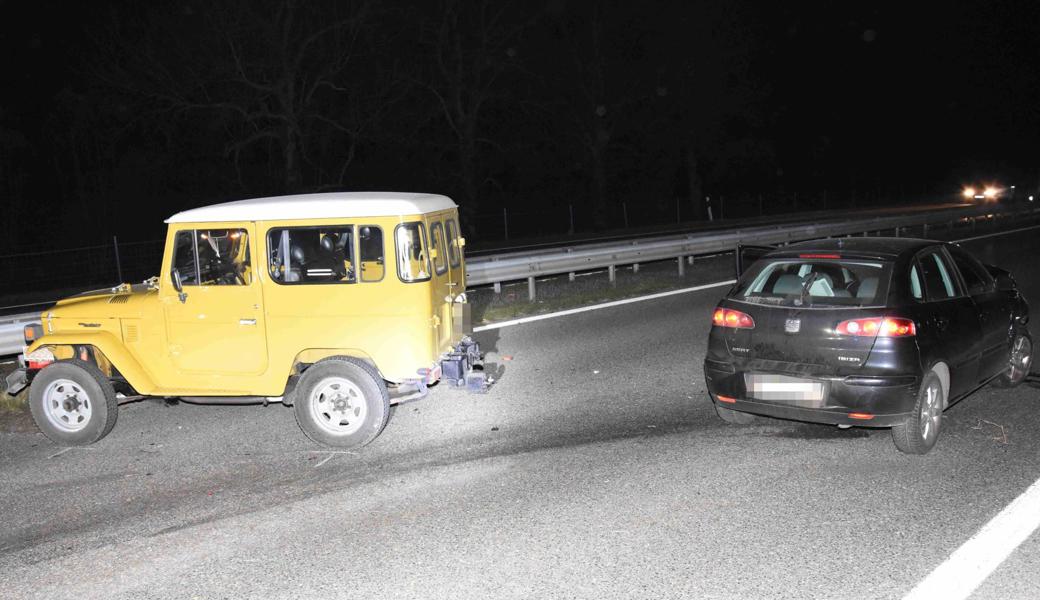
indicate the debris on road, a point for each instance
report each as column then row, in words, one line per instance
column 1002, row 437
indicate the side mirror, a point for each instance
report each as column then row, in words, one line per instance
column 175, row 277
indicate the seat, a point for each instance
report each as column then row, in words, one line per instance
column 788, row 284
column 297, row 258
column 867, row 288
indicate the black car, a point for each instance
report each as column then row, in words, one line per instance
column 874, row 332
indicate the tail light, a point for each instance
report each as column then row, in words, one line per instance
column 878, row 326
column 725, row 317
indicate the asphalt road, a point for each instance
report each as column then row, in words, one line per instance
column 595, row 468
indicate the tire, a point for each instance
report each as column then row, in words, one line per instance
column 920, row 431
column 73, row 403
column 342, row 402
column 733, row 417
column 1020, row 361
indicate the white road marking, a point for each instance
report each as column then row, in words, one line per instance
column 574, row 311
column 989, row 235
column 973, row 562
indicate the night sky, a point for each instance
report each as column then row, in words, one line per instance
column 118, row 114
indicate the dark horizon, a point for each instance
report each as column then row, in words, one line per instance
column 118, row 116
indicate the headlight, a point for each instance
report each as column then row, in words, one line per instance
column 969, row 192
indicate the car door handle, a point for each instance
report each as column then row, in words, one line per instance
column 941, row 323
column 247, row 321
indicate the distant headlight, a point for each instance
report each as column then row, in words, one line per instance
column 969, row 192
column 990, row 192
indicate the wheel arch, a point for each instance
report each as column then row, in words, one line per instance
column 109, row 352
column 942, row 370
column 310, row 356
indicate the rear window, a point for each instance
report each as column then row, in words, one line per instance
column 814, row 282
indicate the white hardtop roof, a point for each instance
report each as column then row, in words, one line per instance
column 317, row 206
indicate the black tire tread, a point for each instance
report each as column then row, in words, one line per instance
column 108, row 394
column 907, row 435
column 304, row 384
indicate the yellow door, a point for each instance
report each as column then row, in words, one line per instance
column 443, row 288
column 216, row 324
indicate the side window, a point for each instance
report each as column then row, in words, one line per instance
column 976, row 278
column 184, row 257
column 311, row 255
column 412, row 262
column 370, row 242
column 440, row 263
column 223, row 256
column 915, row 283
column 938, row 281
column 453, row 243
column 213, row 257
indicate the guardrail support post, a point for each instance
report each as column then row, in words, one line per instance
column 498, row 287
column 530, row 288
column 635, row 267
column 924, row 231
column 612, row 273
column 682, row 266
column 571, row 276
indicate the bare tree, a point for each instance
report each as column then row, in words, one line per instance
column 472, row 47
column 278, row 79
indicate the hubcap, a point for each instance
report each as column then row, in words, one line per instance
column 338, row 406
column 931, row 412
column 1021, row 359
column 67, row 405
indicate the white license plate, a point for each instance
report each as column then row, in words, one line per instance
column 784, row 388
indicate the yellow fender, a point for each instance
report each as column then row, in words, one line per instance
column 111, row 348
column 313, row 355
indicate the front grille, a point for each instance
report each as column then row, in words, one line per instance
column 119, row 299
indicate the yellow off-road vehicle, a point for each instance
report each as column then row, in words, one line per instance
column 338, row 304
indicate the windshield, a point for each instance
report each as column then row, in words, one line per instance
column 815, row 282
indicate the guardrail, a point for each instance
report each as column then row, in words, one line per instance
column 497, row 269
column 530, row 265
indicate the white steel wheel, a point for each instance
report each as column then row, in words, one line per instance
column 73, row 403
column 920, row 431
column 342, row 402
column 67, row 405
column 338, row 405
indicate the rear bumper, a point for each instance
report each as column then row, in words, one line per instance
column 887, row 399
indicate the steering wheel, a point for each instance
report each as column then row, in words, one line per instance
column 232, row 273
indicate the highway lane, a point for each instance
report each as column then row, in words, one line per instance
column 596, row 468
